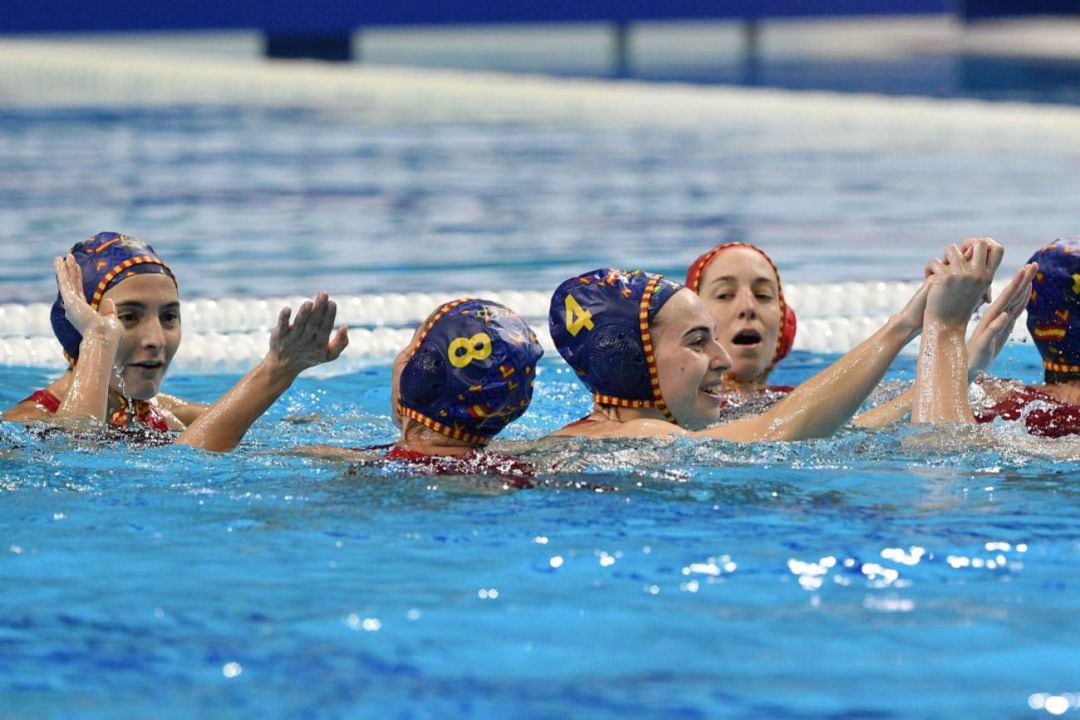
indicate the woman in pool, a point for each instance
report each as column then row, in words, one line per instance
column 117, row 317
column 645, row 347
column 740, row 286
column 1051, row 409
column 466, row 374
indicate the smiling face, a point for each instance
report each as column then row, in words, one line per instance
column 149, row 308
column 690, row 363
column 742, row 294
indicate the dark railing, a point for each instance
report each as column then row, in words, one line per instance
column 323, row 28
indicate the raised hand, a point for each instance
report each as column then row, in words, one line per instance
column 294, row 347
column 306, row 341
column 89, row 323
column 911, row 315
column 996, row 324
column 994, row 256
column 960, row 282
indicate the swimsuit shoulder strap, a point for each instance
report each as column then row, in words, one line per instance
column 45, row 399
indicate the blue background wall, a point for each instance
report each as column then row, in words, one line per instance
column 321, row 16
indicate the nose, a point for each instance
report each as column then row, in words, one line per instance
column 747, row 306
column 152, row 336
column 720, row 359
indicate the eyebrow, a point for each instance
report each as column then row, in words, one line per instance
column 138, row 304
column 697, row 328
column 732, row 279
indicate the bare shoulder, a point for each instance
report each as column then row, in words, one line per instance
column 643, row 428
column 32, row 410
column 171, row 418
column 186, row 412
column 26, row 411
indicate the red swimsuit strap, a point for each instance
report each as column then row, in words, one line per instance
column 145, row 412
column 515, row 472
column 45, row 399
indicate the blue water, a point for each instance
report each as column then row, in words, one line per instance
column 852, row 577
column 856, row 577
column 258, row 202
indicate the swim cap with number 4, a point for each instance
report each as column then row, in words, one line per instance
column 600, row 324
column 471, row 370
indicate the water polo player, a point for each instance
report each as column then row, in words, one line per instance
column 467, row 373
column 646, row 349
column 1053, row 321
column 117, row 318
column 741, row 288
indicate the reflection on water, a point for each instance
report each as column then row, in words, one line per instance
column 166, row 580
column 264, row 202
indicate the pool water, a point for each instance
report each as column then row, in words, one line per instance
column 256, row 202
column 863, row 576
column 858, row 576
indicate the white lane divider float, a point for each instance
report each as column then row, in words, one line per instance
column 229, row 335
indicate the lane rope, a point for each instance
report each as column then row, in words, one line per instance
column 229, row 335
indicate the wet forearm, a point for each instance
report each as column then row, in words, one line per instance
column 223, row 424
column 822, row 404
column 88, row 395
column 941, row 378
column 886, row 413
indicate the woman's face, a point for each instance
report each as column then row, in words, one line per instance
column 690, row 363
column 149, row 308
column 742, row 294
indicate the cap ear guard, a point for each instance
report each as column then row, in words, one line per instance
column 423, row 380
column 786, row 340
column 65, row 332
column 618, row 362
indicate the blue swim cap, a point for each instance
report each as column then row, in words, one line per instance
column 471, row 370
column 600, row 324
column 1054, row 307
column 105, row 259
